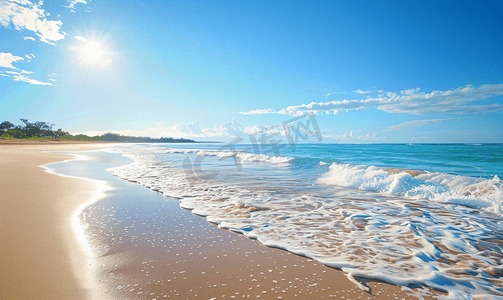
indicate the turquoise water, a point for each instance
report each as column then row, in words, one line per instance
column 475, row 160
column 343, row 206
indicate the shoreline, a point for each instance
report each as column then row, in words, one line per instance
column 41, row 256
column 40, row 253
column 46, row 143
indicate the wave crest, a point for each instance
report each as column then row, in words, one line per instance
column 473, row 192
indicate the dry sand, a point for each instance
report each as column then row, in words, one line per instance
column 39, row 254
column 41, row 258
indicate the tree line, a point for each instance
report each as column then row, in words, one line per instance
column 44, row 130
column 28, row 130
column 113, row 137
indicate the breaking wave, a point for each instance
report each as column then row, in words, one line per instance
column 446, row 188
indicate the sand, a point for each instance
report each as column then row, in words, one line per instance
column 41, row 256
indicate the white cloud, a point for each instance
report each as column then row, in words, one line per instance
column 6, row 60
column 52, row 76
column 229, row 128
column 154, row 132
column 183, row 128
column 29, row 80
column 22, row 2
column 253, row 129
column 27, row 15
column 259, row 112
column 332, row 106
column 73, row 2
column 49, row 31
column 417, row 123
column 29, row 38
column 192, row 128
column 226, row 131
column 80, row 38
column 358, row 91
column 450, row 102
column 411, row 101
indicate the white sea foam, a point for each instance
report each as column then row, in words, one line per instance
column 474, row 192
column 399, row 228
column 239, row 154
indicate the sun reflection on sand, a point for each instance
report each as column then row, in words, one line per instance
column 84, row 260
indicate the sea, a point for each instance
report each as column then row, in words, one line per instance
column 408, row 214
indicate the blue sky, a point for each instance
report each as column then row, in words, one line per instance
column 370, row 71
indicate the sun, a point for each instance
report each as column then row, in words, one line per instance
column 93, row 52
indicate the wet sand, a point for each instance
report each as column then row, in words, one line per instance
column 145, row 246
column 157, row 251
column 40, row 257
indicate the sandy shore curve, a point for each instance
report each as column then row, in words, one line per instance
column 40, row 255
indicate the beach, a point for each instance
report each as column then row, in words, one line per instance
column 40, row 254
column 142, row 245
column 221, row 150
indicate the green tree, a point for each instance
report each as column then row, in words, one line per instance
column 59, row 133
column 38, row 129
column 17, row 134
column 4, row 126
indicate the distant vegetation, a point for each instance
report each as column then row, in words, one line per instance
column 27, row 130
column 113, row 137
column 43, row 131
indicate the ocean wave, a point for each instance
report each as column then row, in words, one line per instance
column 368, row 221
column 241, row 155
column 473, row 192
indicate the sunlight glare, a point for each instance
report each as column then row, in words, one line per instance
column 93, row 52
